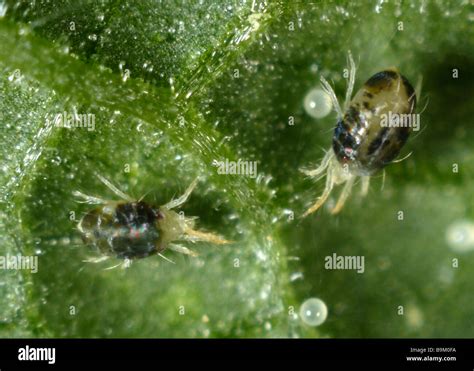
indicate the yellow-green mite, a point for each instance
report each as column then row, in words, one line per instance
column 365, row 139
column 132, row 229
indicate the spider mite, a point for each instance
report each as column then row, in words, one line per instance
column 132, row 229
column 362, row 143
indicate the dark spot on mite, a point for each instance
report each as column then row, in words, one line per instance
column 352, row 118
column 402, row 135
column 339, row 129
column 349, row 142
column 343, row 141
column 366, row 105
column 368, row 95
column 135, row 214
column 381, row 79
column 377, row 142
column 341, row 134
column 130, row 233
column 390, row 153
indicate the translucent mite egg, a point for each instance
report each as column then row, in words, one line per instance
column 317, row 103
column 313, row 312
column 460, row 236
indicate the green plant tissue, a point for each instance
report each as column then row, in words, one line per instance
column 175, row 86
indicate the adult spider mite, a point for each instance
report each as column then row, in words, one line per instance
column 132, row 229
column 363, row 143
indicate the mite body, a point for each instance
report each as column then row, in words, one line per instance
column 369, row 134
column 133, row 229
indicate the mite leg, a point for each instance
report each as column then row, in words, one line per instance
column 96, row 260
column 419, row 84
column 181, row 249
column 121, row 265
column 350, row 86
column 383, row 180
column 322, row 167
column 114, row 189
column 327, row 190
column 124, row 265
column 182, row 199
column 141, row 198
column 194, row 235
column 164, row 257
column 86, row 199
column 401, row 159
column 364, row 186
column 346, row 191
column 329, row 91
